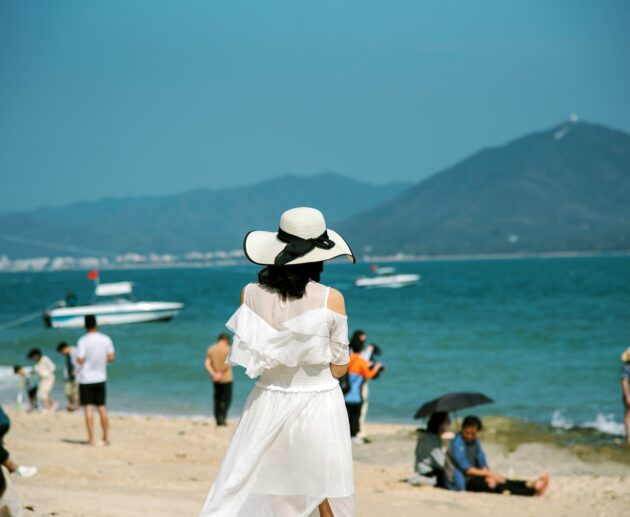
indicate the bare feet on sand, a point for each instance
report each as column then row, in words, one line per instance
column 541, row 484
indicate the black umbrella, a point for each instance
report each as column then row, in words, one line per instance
column 452, row 402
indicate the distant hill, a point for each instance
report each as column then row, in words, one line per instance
column 567, row 188
column 200, row 220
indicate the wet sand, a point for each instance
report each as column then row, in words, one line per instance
column 162, row 466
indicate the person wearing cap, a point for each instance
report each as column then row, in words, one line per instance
column 625, row 390
column 291, row 452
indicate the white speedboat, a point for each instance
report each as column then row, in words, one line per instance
column 114, row 305
column 387, row 277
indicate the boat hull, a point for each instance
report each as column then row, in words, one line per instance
column 112, row 314
column 387, row 282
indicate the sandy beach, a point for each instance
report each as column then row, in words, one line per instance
column 164, row 467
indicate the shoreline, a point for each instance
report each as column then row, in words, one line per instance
column 366, row 259
column 506, row 430
column 161, row 466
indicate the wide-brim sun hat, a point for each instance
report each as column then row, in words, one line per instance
column 302, row 237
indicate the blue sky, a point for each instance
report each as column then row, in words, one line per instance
column 149, row 98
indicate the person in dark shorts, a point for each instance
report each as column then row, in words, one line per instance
column 467, row 468
column 221, row 374
column 94, row 351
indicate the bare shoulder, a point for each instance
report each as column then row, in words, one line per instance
column 336, row 303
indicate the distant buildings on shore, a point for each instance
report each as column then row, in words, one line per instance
column 235, row 257
column 123, row 261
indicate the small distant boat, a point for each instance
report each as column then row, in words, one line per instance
column 387, row 277
column 114, row 305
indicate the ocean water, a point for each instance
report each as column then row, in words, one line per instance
column 542, row 337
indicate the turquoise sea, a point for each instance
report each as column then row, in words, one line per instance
column 540, row 336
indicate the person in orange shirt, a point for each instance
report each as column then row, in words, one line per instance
column 359, row 372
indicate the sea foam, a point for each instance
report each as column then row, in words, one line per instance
column 604, row 423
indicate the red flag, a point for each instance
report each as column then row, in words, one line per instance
column 93, row 275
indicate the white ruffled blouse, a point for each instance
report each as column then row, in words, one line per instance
column 269, row 332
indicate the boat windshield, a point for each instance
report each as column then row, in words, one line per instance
column 119, row 292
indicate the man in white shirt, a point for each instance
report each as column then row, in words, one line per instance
column 95, row 351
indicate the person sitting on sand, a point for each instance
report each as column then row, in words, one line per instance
column 625, row 390
column 18, row 470
column 29, row 385
column 467, row 468
column 430, row 455
column 95, row 351
column 45, row 370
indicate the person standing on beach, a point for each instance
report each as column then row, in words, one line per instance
column 467, row 468
column 291, row 452
column 95, row 351
column 70, row 371
column 45, row 370
column 625, row 391
column 360, row 338
column 359, row 373
column 29, row 385
column 221, row 374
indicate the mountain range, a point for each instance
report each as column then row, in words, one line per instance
column 198, row 220
column 563, row 189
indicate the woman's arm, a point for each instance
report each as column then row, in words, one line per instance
column 337, row 304
column 338, row 370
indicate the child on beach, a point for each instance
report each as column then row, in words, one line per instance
column 70, row 374
column 359, row 373
column 625, row 390
column 45, row 370
column 29, row 385
column 467, row 467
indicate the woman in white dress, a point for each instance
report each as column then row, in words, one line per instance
column 291, row 454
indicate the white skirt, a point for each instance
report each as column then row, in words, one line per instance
column 290, row 451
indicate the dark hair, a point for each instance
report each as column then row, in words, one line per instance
column 61, row 346
column 356, row 344
column 472, row 421
column 16, row 368
column 33, row 353
column 436, row 420
column 223, row 336
column 90, row 322
column 290, row 281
